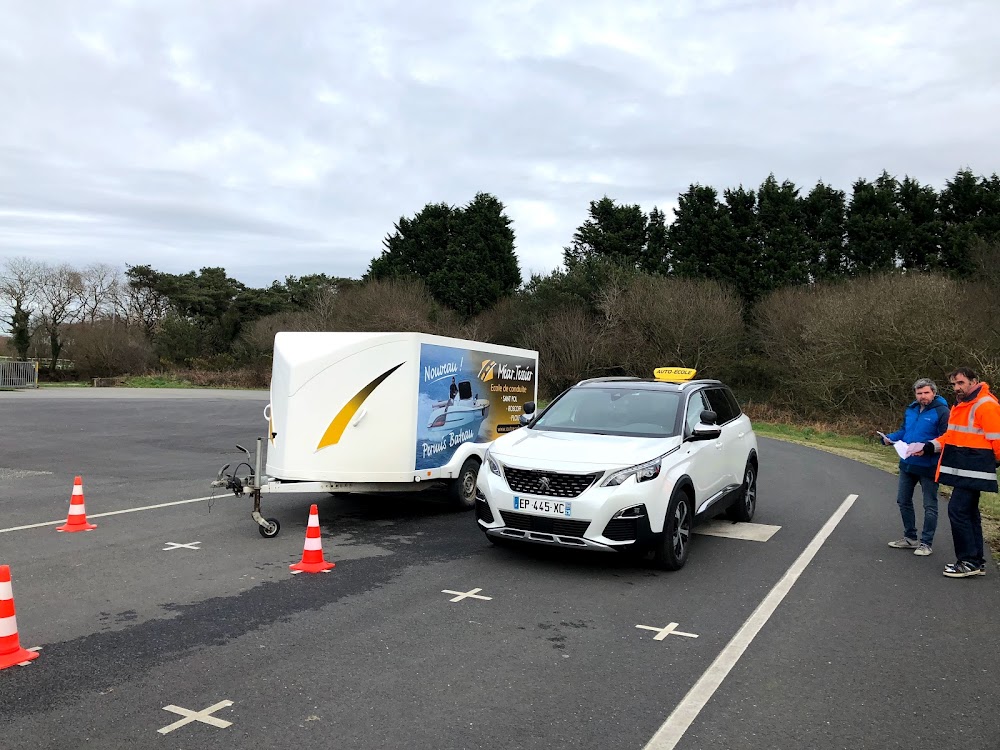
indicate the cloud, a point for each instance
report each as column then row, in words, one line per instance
column 289, row 137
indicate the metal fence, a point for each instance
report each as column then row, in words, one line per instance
column 18, row 374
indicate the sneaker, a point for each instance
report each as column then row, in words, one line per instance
column 962, row 569
column 905, row 543
column 923, row 550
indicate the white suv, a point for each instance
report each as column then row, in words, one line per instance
column 621, row 464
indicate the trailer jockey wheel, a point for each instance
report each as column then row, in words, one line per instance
column 463, row 488
column 270, row 531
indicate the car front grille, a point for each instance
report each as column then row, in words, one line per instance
column 622, row 529
column 544, row 524
column 549, row 484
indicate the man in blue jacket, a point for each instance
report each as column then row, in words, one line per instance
column 924, row 420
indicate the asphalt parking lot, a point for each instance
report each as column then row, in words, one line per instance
column 180, row 625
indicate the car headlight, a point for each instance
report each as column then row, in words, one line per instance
column 641, row 472
column 491, row 462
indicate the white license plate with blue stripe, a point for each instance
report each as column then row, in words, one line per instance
column 544, row 507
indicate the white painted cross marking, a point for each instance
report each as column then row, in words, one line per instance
column 203, row 716
column 176, row 545
column 751, row 532
column 662, row 633
column 460, row 595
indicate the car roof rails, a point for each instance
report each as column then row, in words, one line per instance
column 609, row 379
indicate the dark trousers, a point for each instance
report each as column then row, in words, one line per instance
column 966, row 525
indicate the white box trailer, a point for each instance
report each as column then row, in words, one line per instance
column 383, row 412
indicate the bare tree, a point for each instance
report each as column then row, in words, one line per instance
column 684, row 322
column 107, row 348
column 99, row 292
column 59, row 290
column 574, row 347
column 855, row 348
column 140, row 306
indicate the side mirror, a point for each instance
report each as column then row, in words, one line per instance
column 529, row 408
column 705, row 432
column 709, row 417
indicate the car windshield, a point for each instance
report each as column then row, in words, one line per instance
column 618, row 410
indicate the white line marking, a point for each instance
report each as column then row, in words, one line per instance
column 6, row 473
column 114, row 513
column 751, row 532
column 670, row 733
column 177, row 545
column 466, row 595
column 202, row 716
column 662, row 633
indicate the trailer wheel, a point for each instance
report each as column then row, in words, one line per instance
column 463, row 488
column 270, row 531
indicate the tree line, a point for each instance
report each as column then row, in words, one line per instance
column 633, row 291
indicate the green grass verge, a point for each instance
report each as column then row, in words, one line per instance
column 871, row 452
column 67, row 384
column 157, row 381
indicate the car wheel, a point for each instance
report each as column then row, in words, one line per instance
column 744, row 508
column 463, row 488
column 672, row 551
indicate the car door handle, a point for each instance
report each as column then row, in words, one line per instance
column 741, row 434
column 718, row 446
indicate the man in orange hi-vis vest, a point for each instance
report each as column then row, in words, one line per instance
column 970, row 454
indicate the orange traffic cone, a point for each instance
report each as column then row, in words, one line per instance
column 312, row 554
column 77, row 518
column 11, row 652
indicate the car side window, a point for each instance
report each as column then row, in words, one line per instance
column 718, row 403
column 696, row 405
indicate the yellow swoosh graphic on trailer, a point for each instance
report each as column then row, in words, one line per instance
column 340, row 422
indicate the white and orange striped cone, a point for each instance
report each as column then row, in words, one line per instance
column 11, row 652
column 312, row 554
column 77, row 518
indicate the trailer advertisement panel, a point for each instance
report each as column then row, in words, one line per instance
column 465, row 395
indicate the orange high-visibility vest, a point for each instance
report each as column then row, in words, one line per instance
column 970, row 449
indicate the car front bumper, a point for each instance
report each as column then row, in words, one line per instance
column 592, row 524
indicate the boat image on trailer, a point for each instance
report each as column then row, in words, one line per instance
column 460, row 410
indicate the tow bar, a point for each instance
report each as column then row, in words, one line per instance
column 268, row 527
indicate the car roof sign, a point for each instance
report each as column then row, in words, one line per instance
column 674, row 374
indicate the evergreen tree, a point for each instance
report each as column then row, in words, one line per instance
column 694, row 234
column 20, row 327
column 655, row 258
column 464, row 255
column 919, row 231
column 873, row 240
column 740, row 246
column 824, row 220
column 783, row 239
column 611, row 232
column 969, row 209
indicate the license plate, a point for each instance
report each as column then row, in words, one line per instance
column 547, row 507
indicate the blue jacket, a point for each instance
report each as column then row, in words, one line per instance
column 922, row 427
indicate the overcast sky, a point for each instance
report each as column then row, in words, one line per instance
column 286, row 137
